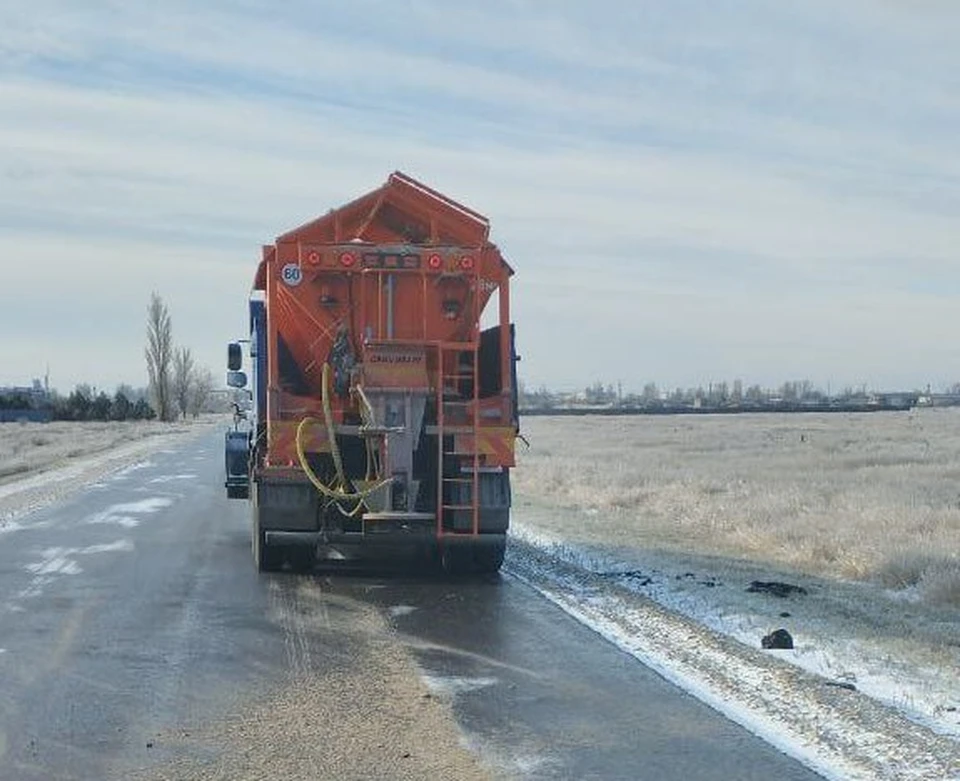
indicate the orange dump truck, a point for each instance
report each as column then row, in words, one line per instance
column 384, row 417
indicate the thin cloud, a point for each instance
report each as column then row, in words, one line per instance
column 641, row 164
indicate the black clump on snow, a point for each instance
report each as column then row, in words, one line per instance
column 779, row 638
column 776, row 588
column 842, row 685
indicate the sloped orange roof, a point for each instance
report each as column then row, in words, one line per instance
column 403, row 210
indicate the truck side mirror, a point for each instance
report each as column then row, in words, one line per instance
column 234, row 357
column 237, row 379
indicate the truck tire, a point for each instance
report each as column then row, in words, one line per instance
column 456, row 560
column 266, row 557
column 302, row 558
column 487, row 558
column 473, row 558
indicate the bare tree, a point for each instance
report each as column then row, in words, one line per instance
column 202, row 387
column 159, row 354
column 183, row 374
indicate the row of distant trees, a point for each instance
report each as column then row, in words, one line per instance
column 714, row 394
column 84, row 403
column 178, row 386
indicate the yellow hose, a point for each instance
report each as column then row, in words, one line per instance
column 337, row 492
column 366, row 412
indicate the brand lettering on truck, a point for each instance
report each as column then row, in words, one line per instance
column 396, row 358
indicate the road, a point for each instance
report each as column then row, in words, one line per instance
column 136, row 641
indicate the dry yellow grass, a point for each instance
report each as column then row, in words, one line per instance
column 862, row 496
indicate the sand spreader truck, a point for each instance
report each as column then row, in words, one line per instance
column 383, row 416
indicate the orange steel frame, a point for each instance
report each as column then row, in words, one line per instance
column 403, row 218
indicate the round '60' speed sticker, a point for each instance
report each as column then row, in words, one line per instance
column 291, row 274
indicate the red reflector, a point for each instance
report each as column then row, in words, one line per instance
column 435, row 261
column 466, row 262
column 347, row 259
column 313, row 258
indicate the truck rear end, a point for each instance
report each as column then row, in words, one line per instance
column 384, row 417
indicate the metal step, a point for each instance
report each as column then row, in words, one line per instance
column 399, row 515
column 379, row 431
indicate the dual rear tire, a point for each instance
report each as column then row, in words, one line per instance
column 270, row 558
column 473, row 558
column 267, row 558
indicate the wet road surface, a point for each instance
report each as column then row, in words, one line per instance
column 137, row 640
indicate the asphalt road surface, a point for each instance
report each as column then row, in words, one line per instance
column 137, row 641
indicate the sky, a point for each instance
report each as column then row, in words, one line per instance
column 690, row 192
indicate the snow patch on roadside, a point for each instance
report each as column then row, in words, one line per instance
column 125, row 521
column 125, row 472
column 835, row 731
column 171, row 478
column 825, row 645
column 123, row 546
column 53, row 563
column 516, row 764
column 14, row 526
column 56, row 562
column 452, row 685
column 122, row 514
column 152, row 505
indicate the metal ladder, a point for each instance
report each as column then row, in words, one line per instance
column 458, row 395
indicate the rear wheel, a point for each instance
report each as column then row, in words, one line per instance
column 266, row 557
column 489, row 558
column 302, row 557
column 456, row 559
column 473, row 557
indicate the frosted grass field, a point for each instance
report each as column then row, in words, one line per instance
column 29, row 447
column 871, row 497
column 860, row 510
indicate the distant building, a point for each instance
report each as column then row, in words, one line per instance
column 26, row 402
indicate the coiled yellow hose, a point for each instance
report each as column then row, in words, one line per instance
column 339, row 491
